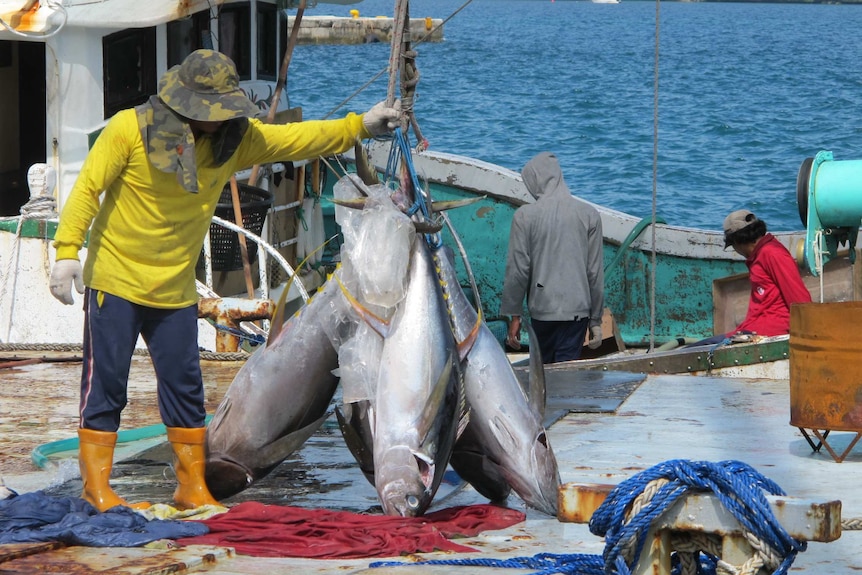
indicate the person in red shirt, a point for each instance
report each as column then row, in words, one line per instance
column 776, row 283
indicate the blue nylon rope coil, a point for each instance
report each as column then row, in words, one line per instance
column 739, row 487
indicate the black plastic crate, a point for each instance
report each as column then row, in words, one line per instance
column 254, row 203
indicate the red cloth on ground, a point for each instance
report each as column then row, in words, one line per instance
column 260, row 530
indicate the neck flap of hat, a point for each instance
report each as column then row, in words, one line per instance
column 169, row 142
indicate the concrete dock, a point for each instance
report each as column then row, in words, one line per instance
column 664, row 417
column 362, row 30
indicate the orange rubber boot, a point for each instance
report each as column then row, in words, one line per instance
column 95, row 459
column 189, row 445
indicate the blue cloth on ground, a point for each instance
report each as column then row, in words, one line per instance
column 36, row 517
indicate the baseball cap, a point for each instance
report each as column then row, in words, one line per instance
column 736, row 221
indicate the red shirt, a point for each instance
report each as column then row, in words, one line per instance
column 776, row 284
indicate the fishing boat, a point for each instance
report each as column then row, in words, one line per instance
column 87, row 52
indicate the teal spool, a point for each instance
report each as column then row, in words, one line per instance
column 829, row 193
column 838, row 192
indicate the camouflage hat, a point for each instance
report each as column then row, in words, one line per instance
column 205, row 87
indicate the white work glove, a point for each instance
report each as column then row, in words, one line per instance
column 381, row 119
column 66, row 272
column 595, row 337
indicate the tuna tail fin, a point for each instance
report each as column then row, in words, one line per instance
column 353, row 204
column 452, row 204
column 278, row 318
column 363, row 168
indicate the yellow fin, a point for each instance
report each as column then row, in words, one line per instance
column 278, row 317
column 377, row 323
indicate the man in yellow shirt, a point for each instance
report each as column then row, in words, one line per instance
column 162, row 167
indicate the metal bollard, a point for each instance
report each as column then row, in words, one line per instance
column 230, row 312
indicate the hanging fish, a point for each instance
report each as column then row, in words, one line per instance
column 418, row 396
column 504, row 422
column 254, row 429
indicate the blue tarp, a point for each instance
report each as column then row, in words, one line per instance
column 37, row 517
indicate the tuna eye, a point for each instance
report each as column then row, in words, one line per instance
column 412, row 502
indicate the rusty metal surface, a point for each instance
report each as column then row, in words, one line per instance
column 825, row 366
column 578, row 501
column 12, row 551
column 40, row 403
column 115, row 560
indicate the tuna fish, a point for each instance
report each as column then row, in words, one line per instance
column 505, row 424
column 254, row 429
column 418, row 397
column 432, row 359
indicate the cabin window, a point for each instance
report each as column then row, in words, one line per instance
column 234, row 25
column 187, row 35
column 129, row 68
column 267, row 42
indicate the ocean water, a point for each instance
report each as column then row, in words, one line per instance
column 745, row 92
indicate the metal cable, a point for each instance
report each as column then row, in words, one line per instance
column 654, row 180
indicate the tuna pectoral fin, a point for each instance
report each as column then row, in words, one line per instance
column 280, row 449
column 465, row 345
column 472, row 463
column 377, row 323
column 356, row 430
column 435, row 402
column 278, row 318
column 536, row 393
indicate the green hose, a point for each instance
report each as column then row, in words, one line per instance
column 40, row 454
column 636, row 231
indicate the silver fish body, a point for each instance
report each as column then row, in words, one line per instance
column 418, row 396
column 276, row 401
column 505, row 421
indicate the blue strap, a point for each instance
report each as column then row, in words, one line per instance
column 401, row 149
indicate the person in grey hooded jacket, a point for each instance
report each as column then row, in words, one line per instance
column 555, row 261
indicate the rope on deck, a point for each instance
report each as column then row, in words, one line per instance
column 627, row 514
column 78, row 348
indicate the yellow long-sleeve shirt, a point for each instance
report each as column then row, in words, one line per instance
column 148, row 230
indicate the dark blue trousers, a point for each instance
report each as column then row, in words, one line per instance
column 560, row 340
column 111, row 329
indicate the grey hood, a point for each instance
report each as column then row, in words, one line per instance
column 542, row 175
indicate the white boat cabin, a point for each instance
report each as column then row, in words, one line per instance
column 66, row 67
